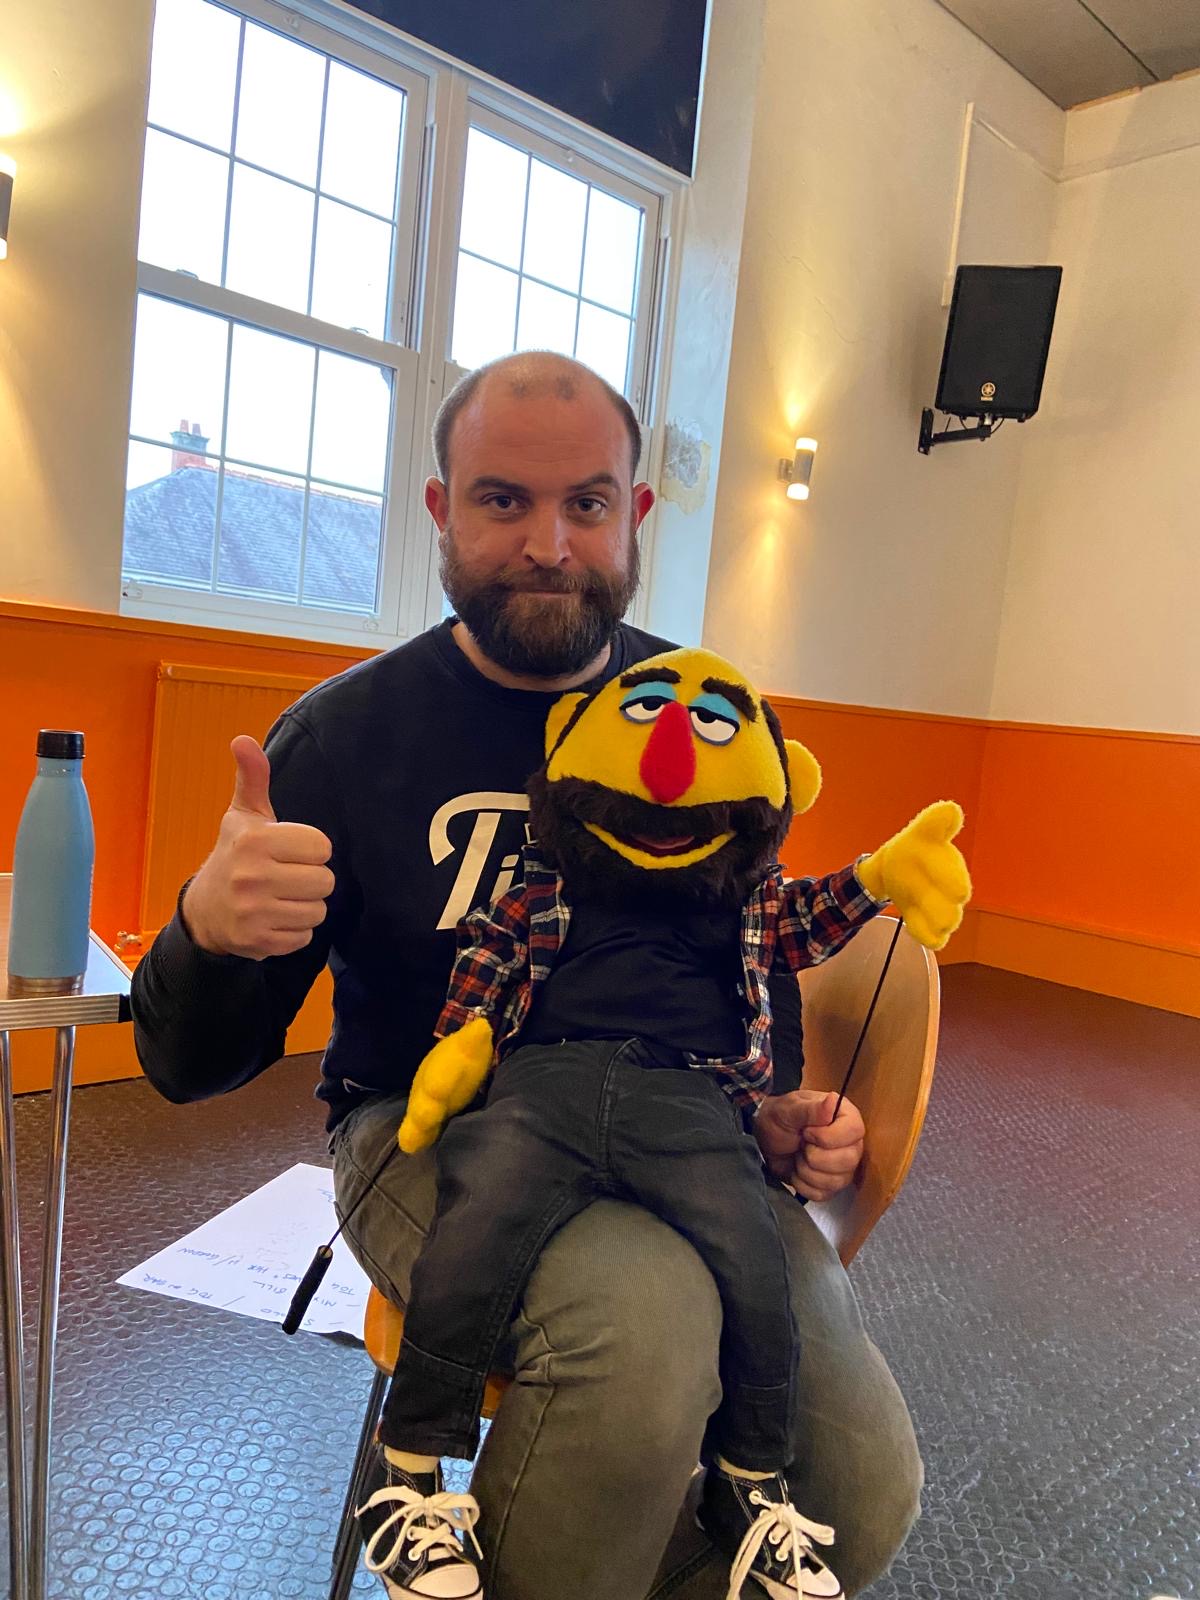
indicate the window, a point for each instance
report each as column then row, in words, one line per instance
column 315, row 267
column 285, row 501
column 547, row 259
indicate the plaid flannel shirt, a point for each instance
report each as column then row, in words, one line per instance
column 506, row 953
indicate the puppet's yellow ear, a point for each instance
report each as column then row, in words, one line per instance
column 804, row 775
column 560, row 713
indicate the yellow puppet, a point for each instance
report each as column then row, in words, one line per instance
column 623, row 988
column 625, row 741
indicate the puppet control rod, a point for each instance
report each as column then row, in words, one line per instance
column 319, row 1265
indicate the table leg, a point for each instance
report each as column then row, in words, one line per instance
column 56, row 1193
column 14, row 1340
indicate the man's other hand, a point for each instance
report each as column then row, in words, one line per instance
column 805, row 1147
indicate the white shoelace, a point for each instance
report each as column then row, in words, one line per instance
column 776, row 1523
column 442, row 1513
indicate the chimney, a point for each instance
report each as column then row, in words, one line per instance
column 189, row 447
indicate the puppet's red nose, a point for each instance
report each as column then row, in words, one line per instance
column 668, row 765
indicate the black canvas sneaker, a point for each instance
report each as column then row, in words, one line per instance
column 410, row 1529
column 766, row 1538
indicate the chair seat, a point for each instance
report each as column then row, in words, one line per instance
column 383, row 1327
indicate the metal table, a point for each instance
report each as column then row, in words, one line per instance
column 104, row 998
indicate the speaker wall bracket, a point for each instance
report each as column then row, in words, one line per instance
column 926, row 439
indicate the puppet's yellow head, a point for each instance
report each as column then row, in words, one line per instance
column 671, row 779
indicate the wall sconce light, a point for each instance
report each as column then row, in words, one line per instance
column 797, row 473
column 8, row 171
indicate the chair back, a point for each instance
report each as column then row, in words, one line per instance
column 894, row 1072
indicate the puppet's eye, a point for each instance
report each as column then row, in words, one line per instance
column 714, row 718
column 713, row 729
column 644, row 703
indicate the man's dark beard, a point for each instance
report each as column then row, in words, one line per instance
column 591, row 868
column 539, row 637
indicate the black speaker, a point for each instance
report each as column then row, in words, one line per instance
column 997, row 341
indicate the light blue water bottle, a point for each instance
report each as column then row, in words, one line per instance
column 52, row 873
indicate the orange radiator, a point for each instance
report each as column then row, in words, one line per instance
column 197, row 711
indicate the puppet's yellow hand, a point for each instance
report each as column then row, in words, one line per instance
column 447, row 1080
column 923, row 874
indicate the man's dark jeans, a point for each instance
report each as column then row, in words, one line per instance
column 564, row 1124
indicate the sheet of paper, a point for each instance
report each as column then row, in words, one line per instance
column 251, row 1257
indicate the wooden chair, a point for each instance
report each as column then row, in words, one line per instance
column 890, row 1087
column 894, row 1072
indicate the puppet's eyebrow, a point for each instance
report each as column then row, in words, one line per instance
column 649, row 675
column 734, row 692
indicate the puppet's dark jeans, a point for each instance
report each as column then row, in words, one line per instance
column 564, row 1125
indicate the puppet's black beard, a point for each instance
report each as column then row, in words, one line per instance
column 723, row 880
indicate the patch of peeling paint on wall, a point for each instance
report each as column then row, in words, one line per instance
column 686, row 461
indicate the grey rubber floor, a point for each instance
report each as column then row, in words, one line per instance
column 1036, row 1289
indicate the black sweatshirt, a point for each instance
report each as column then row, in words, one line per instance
column 414, row 764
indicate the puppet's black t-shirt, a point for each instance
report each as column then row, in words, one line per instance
column 414, row 764
column 669, row 977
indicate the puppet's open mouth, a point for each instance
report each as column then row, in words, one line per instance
column 663, row 847
column 682, row 851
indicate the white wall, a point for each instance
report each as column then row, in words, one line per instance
column 72, row 109
column 885, row 588
column 1103, row 594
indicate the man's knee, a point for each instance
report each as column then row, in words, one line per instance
column 857, row 1464
column 621, row 1304
column 879, row 1508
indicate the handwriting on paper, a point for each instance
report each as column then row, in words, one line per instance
column 250, row 1257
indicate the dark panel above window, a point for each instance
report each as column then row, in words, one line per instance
column 630, row 68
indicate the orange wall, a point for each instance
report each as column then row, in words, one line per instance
column 1092, row 828
column 79, row 669
column 879, row 768
column 1083, row 843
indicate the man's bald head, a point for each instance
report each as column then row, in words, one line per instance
column 529, row 375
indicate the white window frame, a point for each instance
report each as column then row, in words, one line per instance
column 445, row 98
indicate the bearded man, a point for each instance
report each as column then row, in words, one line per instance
column 388, row 803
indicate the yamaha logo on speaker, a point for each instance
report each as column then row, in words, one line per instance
column 988, row 392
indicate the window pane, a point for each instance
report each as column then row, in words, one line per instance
column 170, row 512
column 270, row 400
column 193, row 70
column 350, row 426
column 183, row 207
column 485, row 312
column 554, row 226
column 547, row 319
column 279, row 109
column 610, row 262
column 341, row 557
column 270, row 239
column 604, row 343
column 261, row 520
column 178, row 370
column 362, row 140
column 352, row 269
column 493, row 213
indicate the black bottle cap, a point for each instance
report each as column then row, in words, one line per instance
column 58, row 745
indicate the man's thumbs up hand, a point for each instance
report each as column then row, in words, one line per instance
column 263, row 889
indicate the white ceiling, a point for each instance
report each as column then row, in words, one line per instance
column 1077, row 50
